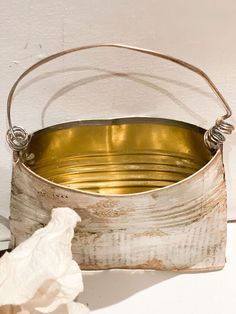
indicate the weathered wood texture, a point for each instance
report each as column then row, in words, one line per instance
column 181, row 227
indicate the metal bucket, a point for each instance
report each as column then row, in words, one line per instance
column 151, row 192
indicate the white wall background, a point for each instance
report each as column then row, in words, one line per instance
column 82, row 86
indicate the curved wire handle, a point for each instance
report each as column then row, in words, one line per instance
column 18, row 139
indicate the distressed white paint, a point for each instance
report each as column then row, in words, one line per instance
column 156, row 229
column 201, row 32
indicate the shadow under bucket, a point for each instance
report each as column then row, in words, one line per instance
column 151, row 192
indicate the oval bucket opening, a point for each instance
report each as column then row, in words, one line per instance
column 118, row 156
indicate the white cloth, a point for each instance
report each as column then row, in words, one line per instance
column 40, row 275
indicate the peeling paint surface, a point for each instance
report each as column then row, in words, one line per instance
column 182, row 227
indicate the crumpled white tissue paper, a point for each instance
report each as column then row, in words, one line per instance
column 40, row 275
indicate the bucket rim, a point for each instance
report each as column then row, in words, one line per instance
column 118, row 121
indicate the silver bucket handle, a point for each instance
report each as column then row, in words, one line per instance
column 18, row 139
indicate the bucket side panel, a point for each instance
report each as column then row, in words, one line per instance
column 182, row 227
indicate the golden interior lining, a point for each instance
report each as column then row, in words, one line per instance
column 118, row 156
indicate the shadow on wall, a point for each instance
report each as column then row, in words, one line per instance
column 140, row 78
column 137, row 77
column 5, row 186
column 104, row 288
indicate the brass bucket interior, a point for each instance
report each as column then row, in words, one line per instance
column 118, row 156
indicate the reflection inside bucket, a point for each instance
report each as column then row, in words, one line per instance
column 118, row 156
